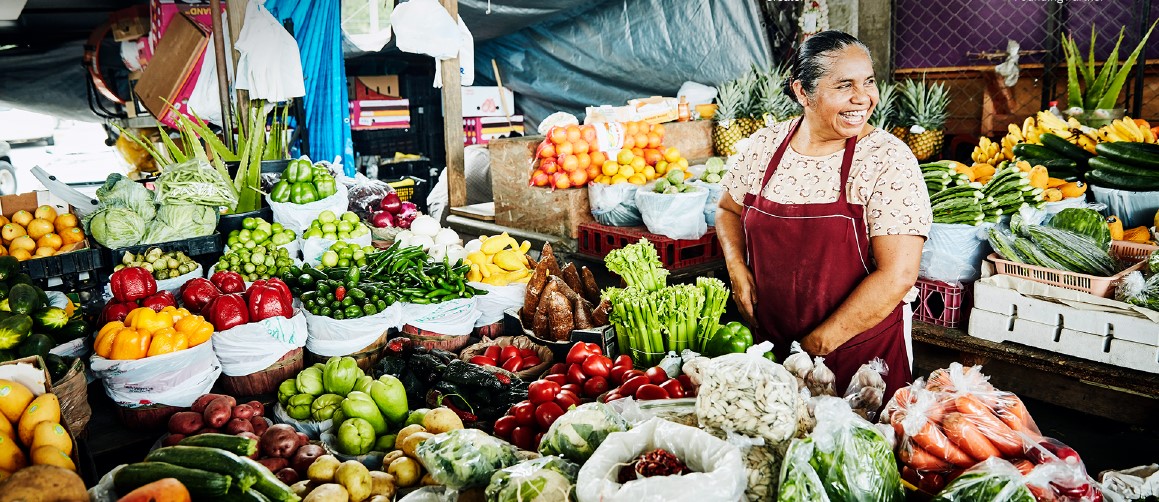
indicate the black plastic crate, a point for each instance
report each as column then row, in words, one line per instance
column 420, row 168
column 385, row 142
column 72, row 262
column 195, row 247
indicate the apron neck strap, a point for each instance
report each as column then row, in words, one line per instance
column 846, row 160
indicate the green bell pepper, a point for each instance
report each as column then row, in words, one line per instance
column 341, row 375
column 317, row 170
column 325, row 185
column 299, row 406
column 355, row 437
column 280, row 192
column 303, row 193
column 360, row 405
column 731, row 338
column 298, row 171
column 323, row 407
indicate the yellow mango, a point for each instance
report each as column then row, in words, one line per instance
column 14, row 398
column 51, row 434
column 12, row 459
column 48, row 455
column 44, row 408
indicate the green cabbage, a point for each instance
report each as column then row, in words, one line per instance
column 176, row 222
column 545, row 479
column 577, row 433
column 122, row 192
column 465, row 458
column 116, row 227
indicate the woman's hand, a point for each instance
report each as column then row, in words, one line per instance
column 744, row 291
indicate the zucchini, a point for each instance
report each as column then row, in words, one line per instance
column 1064, row 148
column 201, row 484
column 208, row 459
column 269, row 485
column 237, row 445
column 1030, row 151
column 1107, row 164
column 1137, row 154
column 1119, row 181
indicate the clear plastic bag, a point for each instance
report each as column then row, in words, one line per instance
column 851, row 459
column 750, row 395
column 866, row 391
column 544, row 479
column 994, row 480
column 578, row 433
column 821, row 381
column 365, row 195
column 615, row 205
column 297, row 217
column 681, row 411
column 465, row 458
column 667, row 214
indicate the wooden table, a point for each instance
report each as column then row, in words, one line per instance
column 1120, row 394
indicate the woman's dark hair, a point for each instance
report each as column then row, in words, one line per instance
column 810, row 61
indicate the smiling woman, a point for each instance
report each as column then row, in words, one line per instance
column 838, row 211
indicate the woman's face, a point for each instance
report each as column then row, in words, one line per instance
column 845, row 96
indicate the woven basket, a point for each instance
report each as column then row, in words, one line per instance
column 366, row 357
column 432, row 340
column 493, row 330
column 521, row 342
column 152, row 417
column 267, row 380
column 73, row 392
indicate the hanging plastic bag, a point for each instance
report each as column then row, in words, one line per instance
column 717, row 472
column 768, row 391
column 696, row 93
column 667, row 214
column 270, row 66
column 953, row 254
column 297, row 217
column 425, row 27
column 365, row 26
column 498, row 300
column 250, row 348
column 615, row 205
column 174, row 379
column 333, row 337
column 866, row 392
column 451, row 318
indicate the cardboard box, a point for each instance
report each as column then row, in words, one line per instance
column 380, row 114
column 486, row 102
column 163, row 12
column 130, row 23
column 376, row 87
column 172, row 74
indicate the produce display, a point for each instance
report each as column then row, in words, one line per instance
column 260, row 262
column 163, row 265
column 330, row 479
column 335, row 227
column 422, row 424
column 558, row 301
column 40, row 233
column 1125, row 165
column 146, row 333
column 579, row 431
column 437, row 242
column 131, row 288
column 393, row 212
column 345, row 254
column 256, row 232
column 227, row 303
column 655, row 384
column 498, row 260
column 208, row 472
column 129, row 215
column 956, row 196
column 1075, row 240
column 570, row 157
column 30, row 430
column 628, row 166
column 304, row 182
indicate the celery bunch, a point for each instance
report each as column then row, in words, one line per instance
column 637, row 322
column 715, row 301
column 680, row 309
column 639, row 265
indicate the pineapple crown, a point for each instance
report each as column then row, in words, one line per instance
column 885, row 114
column 923, row 104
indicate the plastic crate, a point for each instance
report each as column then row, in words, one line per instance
column 941, row 304
column 412, row 188
column 194, row 247
column 596, row 241
column 71, row 270
column 1128, row 252
column 419, row 168
column 385, row 142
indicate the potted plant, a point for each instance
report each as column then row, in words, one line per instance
column 1094, row 102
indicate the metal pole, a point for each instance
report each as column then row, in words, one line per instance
column 222, row 72
column 1144, row 11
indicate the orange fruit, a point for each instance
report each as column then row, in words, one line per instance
column 638, row 151
column 625, row 171
column 650, row 172
column 43, row 251
column 629, row 142
column 632, row 128
column 560, row 180
column 652, row 156
column 67, row 220
column 625, row 156
column 573, row 133
column 641, row 140
column 637, row 179
column 565, row 148
column 540, row 178
column 549, row 166
column 39, row 227
column 579, row 178
column 619, row 178
column 588, row 132
column 557, row 135
column 598, row 157
column 71, row 235
column 22, row 217
column 581, row 146
column 654, row 140
column 546, row 150
column 593, row 172
column 45, row 212
column 21, row 254
column 570, row 163
column 11, row 231
column 4, row 221
column 610, row 168
column 584, row 159
column 659, row 129
column 50, row 241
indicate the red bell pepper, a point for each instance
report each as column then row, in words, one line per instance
column 132, row 284
column 283, row 288
column 266, row 301
column 228, row 282
column 117, row 311
column 159, row 300
column 227, row 311
column 197, row 293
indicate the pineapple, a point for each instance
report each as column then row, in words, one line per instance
column 924, row 110
column 773, row 104
column 731, row 100
column 885, row 114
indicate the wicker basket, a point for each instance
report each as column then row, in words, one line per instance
column 521, row 342
column 267, row 380
column 432, row 340
column 152, row 417
column 366, row 357
column 493, row 330
column 73, row 392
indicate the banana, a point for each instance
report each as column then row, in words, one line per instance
column 1135, row 131
column 1123, row 130
column 1014, row 132
column 1148, row 135
column 1087, row 143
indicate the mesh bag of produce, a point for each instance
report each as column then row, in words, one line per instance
column 575, row 435
column 465, row 458
column 544, row 479
column 749, row 395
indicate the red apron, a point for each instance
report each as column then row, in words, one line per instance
column 807, row 259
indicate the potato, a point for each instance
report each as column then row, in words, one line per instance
column 237, row 426
column 378, row 498
column 274, row 464
column 305, row 457
column 381, row 484
column 185, row 422
column 391, row 456
column 323, row 469
column 303, row 440
column 243, row 411
column 329, row 492
column 303, row 487
column 43, row 482
column 279, row 441
column 440, row 420
column 173, row 439
column 406, row 471
column 259, row 425
column 428, row 480
column 287, row 475
column 217, row 413
column 258, row 407
column 355, row 477
column 203, row 401
column 406, row 431
column 413, row 441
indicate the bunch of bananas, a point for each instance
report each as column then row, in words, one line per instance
column 988, row 152
column 498, row 260
column 1126, row 129
column 1070, row 130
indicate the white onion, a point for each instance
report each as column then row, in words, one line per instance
column 425, row 225
column 474, row 245
column 456, row 253
column 446, row 237
column 422, row 240
column 437, row 252
column 403, row 238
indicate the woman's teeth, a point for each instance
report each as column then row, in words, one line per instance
column 853, row 116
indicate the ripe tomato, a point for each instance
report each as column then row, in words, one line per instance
column 630, row 385
column 686, row 382
column 538, row 439
column 546, row 414
column 575, row 389
column 622, row 360
column 514, row 364
column 628, row 375
column 649, row 391
column 531, row 361
column 504, row 426
column 524, row 413
column 493, row 352
column 617, row 374
column 673, row 388
column 566, row 399
column 578, row 353
column 576, row 375
column 526, row 352
column 523, row 438
column 612, row 396
column 557, row 378
column 508, row 352
column 483, row 361
column 557, row 369
column 656, row 375
column 595, row 386
column 597, row 365
column 542, row 391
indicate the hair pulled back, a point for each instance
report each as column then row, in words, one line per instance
column 811, row 60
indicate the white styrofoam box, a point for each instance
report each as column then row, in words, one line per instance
column 1120, row 352
column 1009, row 302
column 486, row 101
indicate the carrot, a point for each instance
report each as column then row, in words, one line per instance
column 933, row 440
column 939, row 380
column 968, row 437
column 1015, row 406
column 920, row 459
column 1006, row 440
column 896, row 421
column 1024, row 466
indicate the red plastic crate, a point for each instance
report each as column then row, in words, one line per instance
column 597, row 241
column 941, row 304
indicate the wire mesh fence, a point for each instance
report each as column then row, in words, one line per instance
column 959, row 42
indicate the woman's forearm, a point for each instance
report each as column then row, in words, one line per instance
column 870, row 303
column 730, row 233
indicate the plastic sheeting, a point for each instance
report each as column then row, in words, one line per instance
column 611, row 51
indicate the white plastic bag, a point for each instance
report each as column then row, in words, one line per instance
column 452, row 318
column 172, row 285
column 498, row 300
column 718, row 473
column 174, row 379
column 715, row 192
column 696, row 93
column 425, row 27
column 615, row 205
column 366, row 25
column 333, row 337
column 270, row 66
column 297, row 217
column 313, row 249
column 252, row 347
column 667, row 214
column 1136, row 209
column 954, row 253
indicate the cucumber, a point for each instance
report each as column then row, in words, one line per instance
column 1056, row 165
column 1032, row 151
column 1119, row 181
column 1135, row 154
column 242, row 447
column 201, row 484
column 208, row 459
column 1064, row 147
column 269, row 485
column 236, row 495
column 1107, row 164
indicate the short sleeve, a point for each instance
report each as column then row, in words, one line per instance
column 899, row 203
column 746, row 170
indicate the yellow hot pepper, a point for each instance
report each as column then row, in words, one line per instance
column 129, row 343
column 167, row 340
column 148, row 321
column 195, row 328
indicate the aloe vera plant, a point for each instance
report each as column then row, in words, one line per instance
column 1100, row 87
